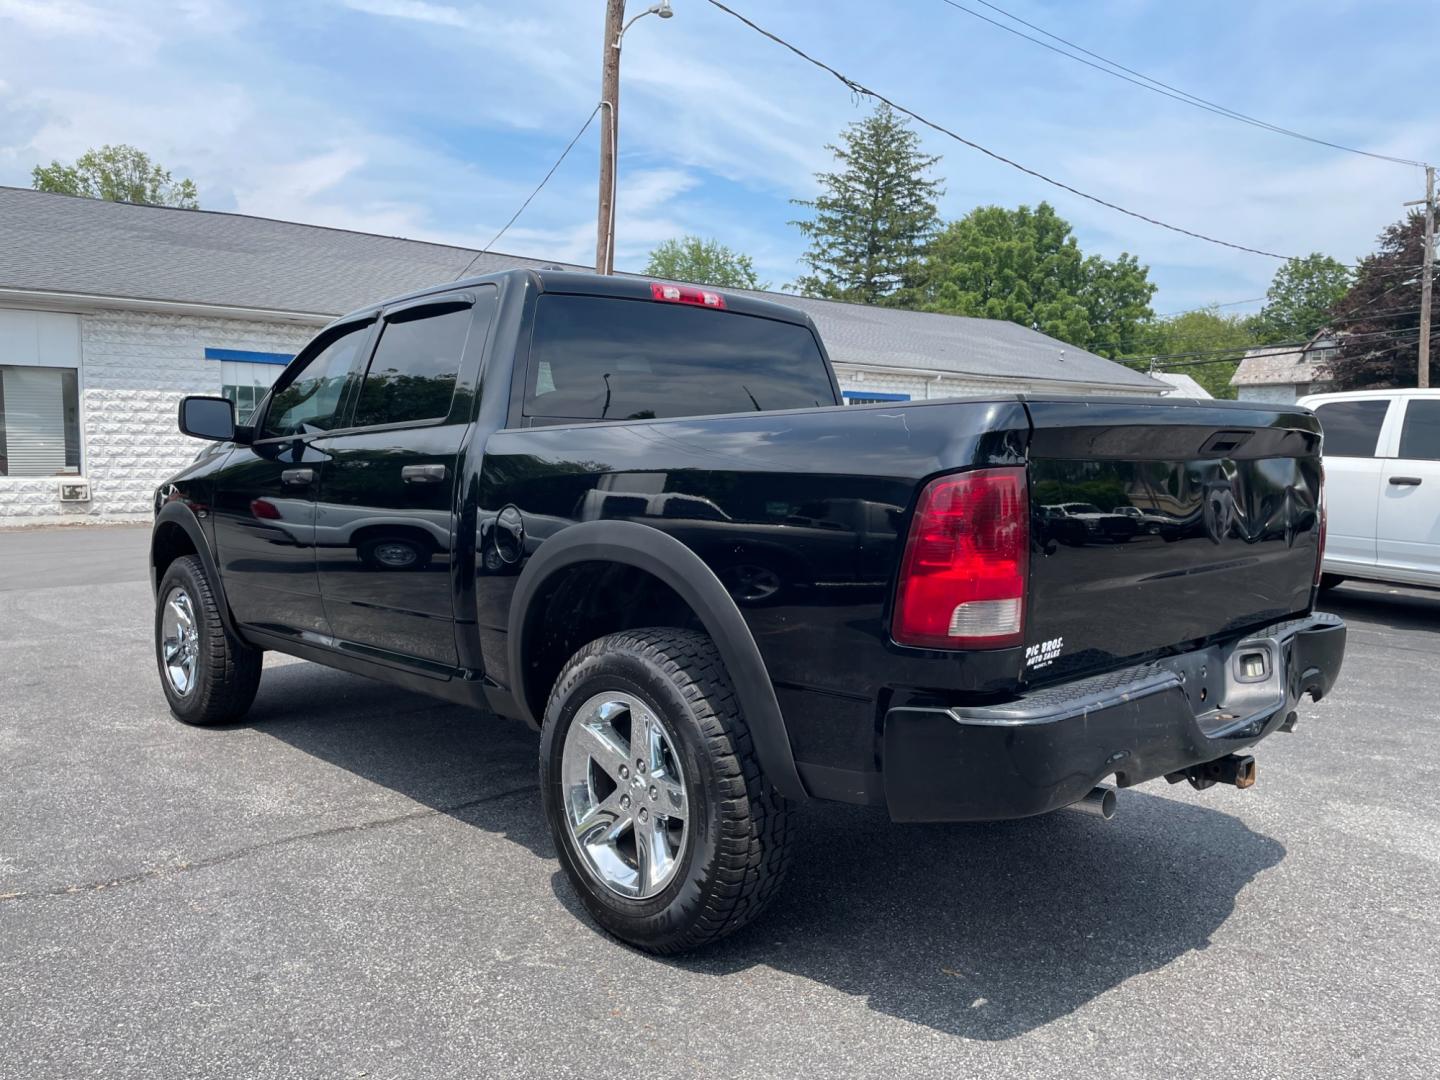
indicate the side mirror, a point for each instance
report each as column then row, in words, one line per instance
column 208, row 418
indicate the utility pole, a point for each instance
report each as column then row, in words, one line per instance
column 609, row 132
column 1427, row 280
column 1427, row 274
column 615, row 27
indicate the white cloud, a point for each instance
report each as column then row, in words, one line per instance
column 66, row 18
column 416, row 10
column 297, row 183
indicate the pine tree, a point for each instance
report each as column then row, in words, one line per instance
column 874, row 216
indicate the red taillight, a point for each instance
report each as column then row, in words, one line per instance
column 1324, row 527
column 962, row 579
column 686, row 294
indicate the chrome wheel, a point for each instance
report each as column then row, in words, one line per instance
column 624, row 795
column 180, row 641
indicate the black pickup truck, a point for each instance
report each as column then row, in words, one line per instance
column 630, row 513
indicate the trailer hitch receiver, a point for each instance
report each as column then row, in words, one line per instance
column 1236, row 769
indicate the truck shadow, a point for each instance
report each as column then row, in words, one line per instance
column 984, row 931
column 988, row 931
column 476, row 768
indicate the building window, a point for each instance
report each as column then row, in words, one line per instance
column 246, row 377
column 245, row 385
column 871, row 397
column 39, row 421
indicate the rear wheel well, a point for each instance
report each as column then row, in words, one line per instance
column 585, row 601
column 169, row 543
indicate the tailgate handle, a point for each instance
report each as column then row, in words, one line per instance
column 423, row 474
column 1405, row 481
column 1225, row 442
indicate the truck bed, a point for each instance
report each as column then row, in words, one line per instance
column 1205, row 524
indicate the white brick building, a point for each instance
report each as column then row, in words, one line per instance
column 110, row 313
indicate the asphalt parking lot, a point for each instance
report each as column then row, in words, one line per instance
column 359, row 882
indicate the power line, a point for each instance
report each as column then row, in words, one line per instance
column 1207, row 307
column 1146, row 82
column 1237, row 354
column 856, row 87
column 1353, row 318
column 1271, row 348
column 515, row 216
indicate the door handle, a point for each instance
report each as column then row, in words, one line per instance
column 1405, row 481
column 297, row 477
column 422, row 474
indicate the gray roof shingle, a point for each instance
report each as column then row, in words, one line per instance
column 62, row 244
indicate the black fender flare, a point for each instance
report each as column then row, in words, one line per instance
column 668, row 559
column 178, row 512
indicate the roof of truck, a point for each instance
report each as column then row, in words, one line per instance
column 74, row 247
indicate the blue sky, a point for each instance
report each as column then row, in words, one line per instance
column 433, row 119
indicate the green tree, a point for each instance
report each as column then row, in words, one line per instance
column 117, row 174
column 1377, row 322
column 703, row 262
column 1223, row 339
column 1300, row 297
column 874, row 215
column 1025, row 266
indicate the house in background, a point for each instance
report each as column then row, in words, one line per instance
column 111, row 312
column 1284, row 374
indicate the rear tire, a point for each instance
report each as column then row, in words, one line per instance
column 1329, row 581
column 209, row 676
column 724, row 849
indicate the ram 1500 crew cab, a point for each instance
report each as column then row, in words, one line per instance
column 632, row 514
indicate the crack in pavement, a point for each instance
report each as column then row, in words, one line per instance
column 245, row 852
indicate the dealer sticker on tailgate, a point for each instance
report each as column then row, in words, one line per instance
column 1043, row 653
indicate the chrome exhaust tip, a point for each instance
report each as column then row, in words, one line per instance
column 1100, row 802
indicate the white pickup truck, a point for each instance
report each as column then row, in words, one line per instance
column 1382, row 481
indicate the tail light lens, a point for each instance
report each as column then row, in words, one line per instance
column 962, row 579
column 1324, row 528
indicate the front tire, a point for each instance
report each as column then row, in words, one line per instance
column 663, row 820
column 209, row 676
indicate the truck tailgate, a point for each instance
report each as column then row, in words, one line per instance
column 1160, row 524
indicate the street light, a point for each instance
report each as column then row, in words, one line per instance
column 615, row 27
column 662, row 9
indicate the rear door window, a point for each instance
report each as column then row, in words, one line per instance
column 603, row 358
column 416, row 364
column 1352, row 428
column 1420, row 435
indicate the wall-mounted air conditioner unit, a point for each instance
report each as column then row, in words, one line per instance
column 74, row 491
